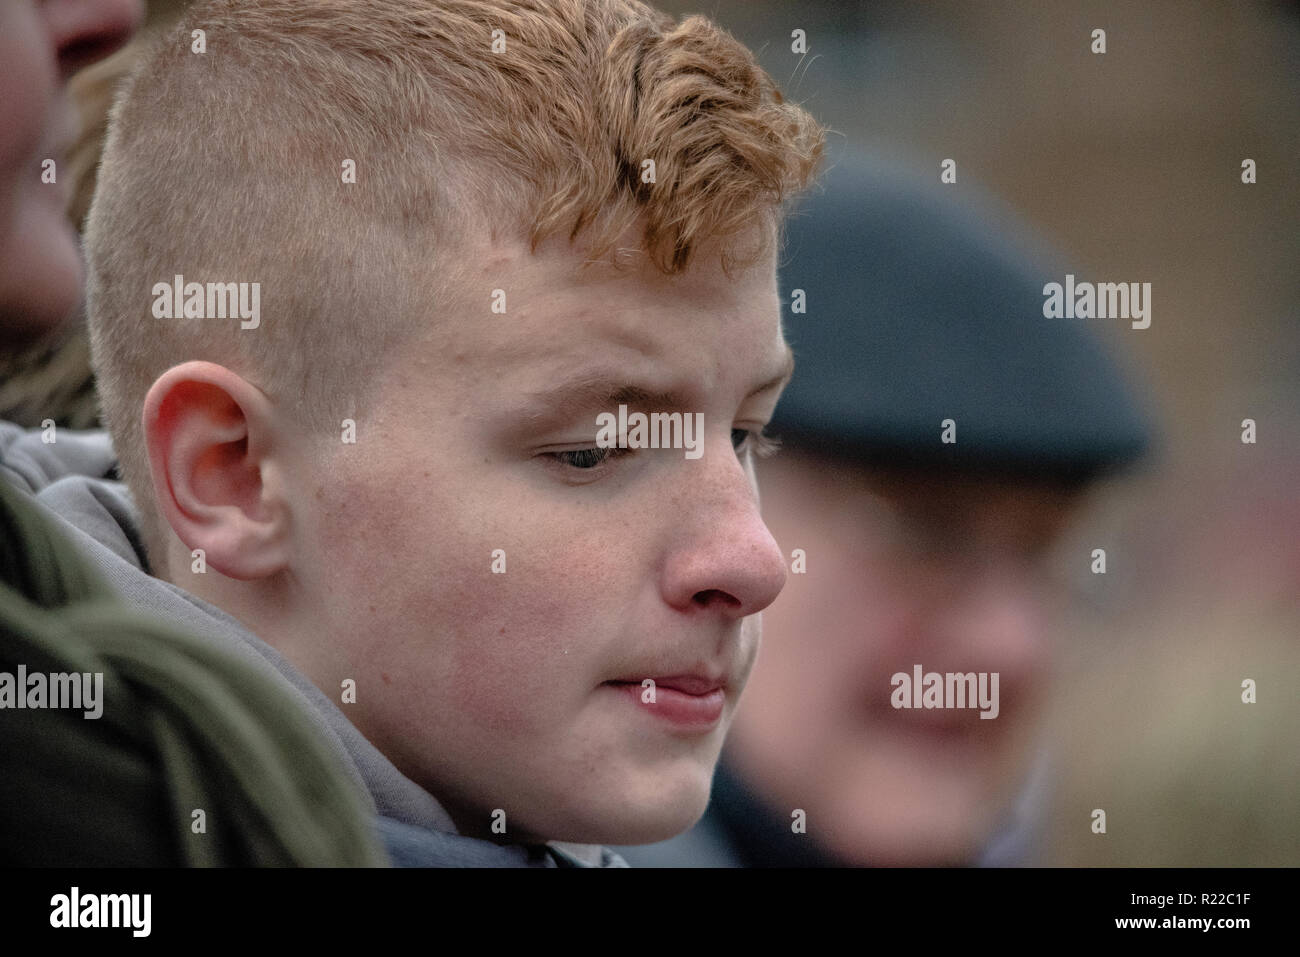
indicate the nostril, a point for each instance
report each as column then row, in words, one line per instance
column 84, row 31
column 713, row 595
column 81, row 51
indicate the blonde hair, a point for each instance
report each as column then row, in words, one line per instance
column 225, row 166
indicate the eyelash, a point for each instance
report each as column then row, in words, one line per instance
column 754, row 441
column 760, row 444
column 595, row 457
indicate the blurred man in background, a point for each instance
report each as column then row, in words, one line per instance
column 938, row 438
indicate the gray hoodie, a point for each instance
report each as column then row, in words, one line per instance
column 72, row 477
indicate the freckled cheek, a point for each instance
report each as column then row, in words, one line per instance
column 509, row 669
column 518, row 650
column 517, row 653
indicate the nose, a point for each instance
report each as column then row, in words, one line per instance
column 723, row 557
column 84, row 31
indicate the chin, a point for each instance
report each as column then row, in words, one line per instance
column 898, row 842
column 45, row 293
column 890, row 810
column 920, row 836
column 653, row 826
column 644, row 813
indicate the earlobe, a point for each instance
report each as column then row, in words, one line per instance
column 209, row 435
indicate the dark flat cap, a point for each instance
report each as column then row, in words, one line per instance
column 924, row 305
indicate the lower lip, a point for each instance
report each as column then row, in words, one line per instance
column 686, row 712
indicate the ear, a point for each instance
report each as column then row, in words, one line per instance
column 211, row 441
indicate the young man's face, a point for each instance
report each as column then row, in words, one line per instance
column 501, row 690
column 41, row 45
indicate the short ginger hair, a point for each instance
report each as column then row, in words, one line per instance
column 225, row 165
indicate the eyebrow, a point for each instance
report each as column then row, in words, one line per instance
column 600, row 389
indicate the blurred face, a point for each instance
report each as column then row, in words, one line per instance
column 41, row 45
column 501, row 588
column 947, row 574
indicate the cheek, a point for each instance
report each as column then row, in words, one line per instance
column 27, row 88
column 489, row 603
column 40, row 266
column 27, row 114
column 530, row 645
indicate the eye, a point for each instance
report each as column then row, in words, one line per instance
column 583, row 458
column 753, row 441
column 590, row 462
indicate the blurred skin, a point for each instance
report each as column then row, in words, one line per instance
column 41, row 45
column 373, row 561
column 901, row 570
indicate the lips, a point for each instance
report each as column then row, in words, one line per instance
column 691, row 704
column 689, row 684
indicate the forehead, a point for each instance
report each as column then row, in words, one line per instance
column 553, row 318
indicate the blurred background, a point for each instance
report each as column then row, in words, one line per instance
column 1128, row 166
column 1129, row 163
